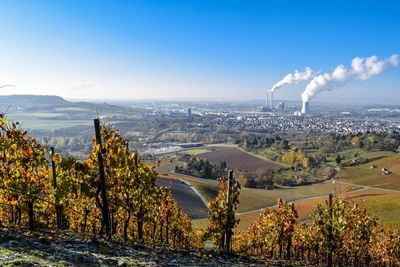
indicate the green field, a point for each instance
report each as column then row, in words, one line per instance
column 365, row 175
column 251, row 199
column 55, row 124
column 384, row 205
column 386, row 208
column 68, row 109
column 39, row 124
column 196, row 151
column 349, row 154
column 21, row 116
column 267, row 153
column 44, row 121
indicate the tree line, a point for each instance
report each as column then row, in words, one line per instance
column 201, row 167
column 326, row 143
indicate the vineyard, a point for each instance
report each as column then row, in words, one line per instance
column 110, row 194
column 338, row 233
column 113, row 196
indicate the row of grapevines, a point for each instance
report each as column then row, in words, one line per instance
column 222, row 211
column 342, row 231
column 138, row 209
column 24, row 172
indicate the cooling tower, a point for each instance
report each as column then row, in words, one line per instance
column 305, row 108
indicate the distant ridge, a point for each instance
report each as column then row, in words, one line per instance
column 47, row 103
column 33, row 100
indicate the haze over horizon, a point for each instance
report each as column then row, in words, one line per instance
column 193, row 49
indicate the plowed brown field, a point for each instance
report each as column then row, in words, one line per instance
column 239, row 160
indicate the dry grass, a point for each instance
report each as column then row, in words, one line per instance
column 364, row 175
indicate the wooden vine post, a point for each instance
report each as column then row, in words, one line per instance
column 330, row 229
column 58, row 206
column 140, row 213
column 104, row 206
column 231, row 217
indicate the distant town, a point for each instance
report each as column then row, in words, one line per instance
column 156, row 127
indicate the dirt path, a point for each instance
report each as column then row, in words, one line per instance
column 369, row 187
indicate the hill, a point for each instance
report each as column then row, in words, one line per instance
column 53, row 103
column 371, row 174
column 33, row 100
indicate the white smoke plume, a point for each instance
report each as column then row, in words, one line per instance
column 7, row 85
column 294, row 78
column 361, row 69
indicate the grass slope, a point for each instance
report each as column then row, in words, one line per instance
column 381, row 203
column 364, row 175
column 196, row 151
column 386, row 208
column 251, row 198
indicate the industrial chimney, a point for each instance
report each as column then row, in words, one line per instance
column 272, row 100
column 305, row 108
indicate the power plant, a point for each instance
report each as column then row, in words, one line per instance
column 280, row 106
column 270, row 100
column 305, row 109
column 361, row 69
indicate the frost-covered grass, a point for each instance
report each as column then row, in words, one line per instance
column 52, row 248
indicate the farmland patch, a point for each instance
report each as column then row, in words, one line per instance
column 190, row 202
column 239, row 160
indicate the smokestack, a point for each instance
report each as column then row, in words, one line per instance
column 267, row 103
column 305, row 108
column 272, row 100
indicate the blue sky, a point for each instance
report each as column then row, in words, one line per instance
column 192, row 49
